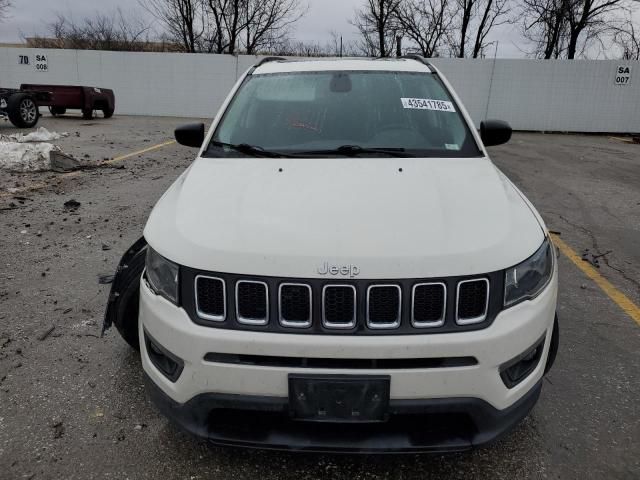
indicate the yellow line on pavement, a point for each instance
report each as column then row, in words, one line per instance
column 612, row 292
column 40, row 185
column 140, row 152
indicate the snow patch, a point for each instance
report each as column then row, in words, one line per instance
column 40, row 135
column 26, row 157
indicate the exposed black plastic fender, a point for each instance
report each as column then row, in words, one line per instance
column 553, row 348
column 122, row 306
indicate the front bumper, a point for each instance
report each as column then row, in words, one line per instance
column 435, row 425
column 441, row 408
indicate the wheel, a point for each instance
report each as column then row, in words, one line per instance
column 22, row 110
column 108, row 112
column 126, row 320
column 87, row 113
column 57, row 111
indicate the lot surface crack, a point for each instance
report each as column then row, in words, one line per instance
column 599, row 253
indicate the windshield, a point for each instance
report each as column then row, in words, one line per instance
column 343, row 113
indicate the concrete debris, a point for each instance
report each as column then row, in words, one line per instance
column 58, row 428
column 43, row 336
column 105, row 279
column 61, row 162
column 72, row 205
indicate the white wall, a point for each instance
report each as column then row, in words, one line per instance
column 563, row 95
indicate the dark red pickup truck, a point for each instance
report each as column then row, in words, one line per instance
column 87, row 99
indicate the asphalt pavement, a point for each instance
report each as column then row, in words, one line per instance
column 73, row 405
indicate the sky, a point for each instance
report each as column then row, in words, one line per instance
column 30, row 17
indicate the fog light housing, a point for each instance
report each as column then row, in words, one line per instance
column 168, row 364
column 516, row 370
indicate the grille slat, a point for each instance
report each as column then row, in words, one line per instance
column 252, row 302
column 211, row 298
column 295, row 305
column 339, row 306
column 384, row 306
column 429, row 305
column 472, row 301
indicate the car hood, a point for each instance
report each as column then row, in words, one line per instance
column 380, row 217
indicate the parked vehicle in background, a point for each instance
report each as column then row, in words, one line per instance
column 87, row 99
column 20, row 107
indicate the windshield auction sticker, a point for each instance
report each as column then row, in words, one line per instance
column 427, row 104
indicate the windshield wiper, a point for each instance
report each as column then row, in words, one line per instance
column 354, row 150
column 251, row 150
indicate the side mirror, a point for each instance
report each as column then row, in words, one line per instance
column 495, row 132
column 191, row 135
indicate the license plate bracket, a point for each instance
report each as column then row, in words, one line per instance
column 339, row 398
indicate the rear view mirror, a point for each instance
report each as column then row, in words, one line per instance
column 495, row 132
column 191, row 135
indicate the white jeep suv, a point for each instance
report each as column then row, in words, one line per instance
column 342, row 268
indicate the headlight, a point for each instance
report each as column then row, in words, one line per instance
column 528, row 279
column 162, row 275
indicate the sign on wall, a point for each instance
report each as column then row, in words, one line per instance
column 42, row 64
column 623, row 75
column 39, row 61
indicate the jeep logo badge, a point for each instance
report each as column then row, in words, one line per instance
column 346, row 270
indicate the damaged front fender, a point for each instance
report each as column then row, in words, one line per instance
column 122, row 306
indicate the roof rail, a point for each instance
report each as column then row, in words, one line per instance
column 270, row 59
column 266, row 60
column 421, row 59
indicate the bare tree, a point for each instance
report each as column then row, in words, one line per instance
column 289, row 48
column 627, row 38
column 377, row 23
column 227, row 17
column 476, row 20
column 332, row 48
column 100, row 32
column 5, row 5
column 269, row 20
column 568, row 28
column 427, row 23
column 545, row 24
column 182, row 19
column 490, row 14
column 590, row 19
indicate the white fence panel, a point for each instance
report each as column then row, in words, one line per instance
column 576, row 96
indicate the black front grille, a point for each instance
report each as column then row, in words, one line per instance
column 429, row 303
column 295, row 305
column 383, row 305
column 339, row 306
column 252, row 302
column 355, row 307
column 210, row 295
column 472, row 300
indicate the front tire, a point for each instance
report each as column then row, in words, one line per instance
column 108, row 112
column 23, row 110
